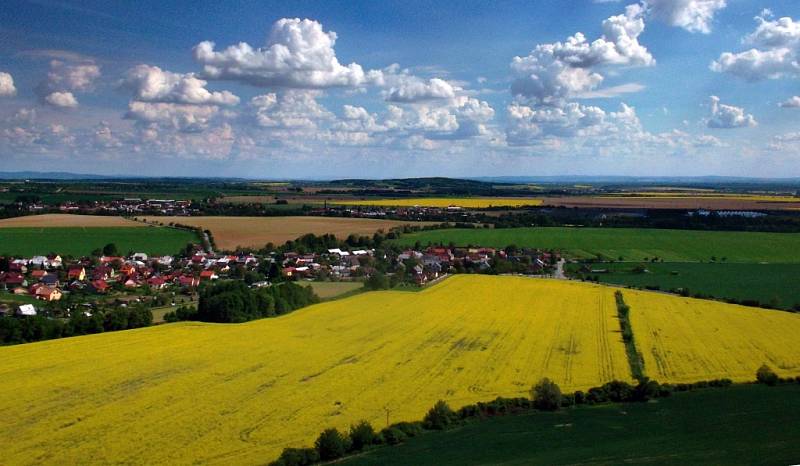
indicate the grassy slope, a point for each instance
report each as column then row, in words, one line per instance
column 741, row 425
column 630, row 243
column 327, row 290
column 77, row 241
column 762, row 282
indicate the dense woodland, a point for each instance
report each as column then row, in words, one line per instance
column 235, row 302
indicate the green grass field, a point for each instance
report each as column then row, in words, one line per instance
column 761, row 282
column 630, row 243
column 329, row 290
column 745, row 424
column 10, row 298
column 78, row 241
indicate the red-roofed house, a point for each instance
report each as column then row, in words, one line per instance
column 99, row 286
column 48, row 294
column 188, row 281
column 156, row 283
column 77, row 273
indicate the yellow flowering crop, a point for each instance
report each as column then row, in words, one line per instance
column 238, row 393
column 686, row 340
column 464, row 202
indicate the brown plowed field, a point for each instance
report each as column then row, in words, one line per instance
column 67, row 220
column 230, row 232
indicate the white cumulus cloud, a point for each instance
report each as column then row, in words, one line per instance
column 61, row 99
column 290, row 109
column 7, row 88
column 727, row 116
column 64, row 79
column 181, row 117
column 152, row 84
column 775, row 53
column 692, row 15
column 560, row 70
column 406, row 88
column 792, row 102
column 298, row 53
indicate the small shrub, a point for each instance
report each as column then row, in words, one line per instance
column 439, row 417
column 645, row 390
column 411, row 429
column 546, row 395
column 393, row 436
column 468, row 411
column 617, row 391
column 297, row 457
column 766, row 375
column 331, row 444
column 361, row 435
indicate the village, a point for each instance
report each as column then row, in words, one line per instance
column 32, row 283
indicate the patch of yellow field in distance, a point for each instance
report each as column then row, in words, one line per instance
column 238, row 393
column 688, row 340
column 464, row 202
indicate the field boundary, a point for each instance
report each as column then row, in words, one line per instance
column 635, row 358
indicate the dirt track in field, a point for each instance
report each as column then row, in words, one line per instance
column 230, row 232
column 67, row 220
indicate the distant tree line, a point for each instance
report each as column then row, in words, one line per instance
column 780, row 222
column 27, row 329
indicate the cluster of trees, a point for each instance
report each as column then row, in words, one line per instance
column 233, row 302
column 765, row 375
column 333, row 444
column 26, row 329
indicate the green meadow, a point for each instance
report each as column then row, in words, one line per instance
column 80, row 241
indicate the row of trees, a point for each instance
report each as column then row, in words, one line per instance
column 544, row 396
column 26, row 329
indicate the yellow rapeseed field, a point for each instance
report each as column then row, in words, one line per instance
column 686, row 340
column 238, row 393
column 464, row 202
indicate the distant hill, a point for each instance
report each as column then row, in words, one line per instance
column 639, row 180
column 50, row 176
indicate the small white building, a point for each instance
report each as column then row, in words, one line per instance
column 26, row 310
column 40, row 261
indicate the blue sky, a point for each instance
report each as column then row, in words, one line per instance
column 388, row 89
